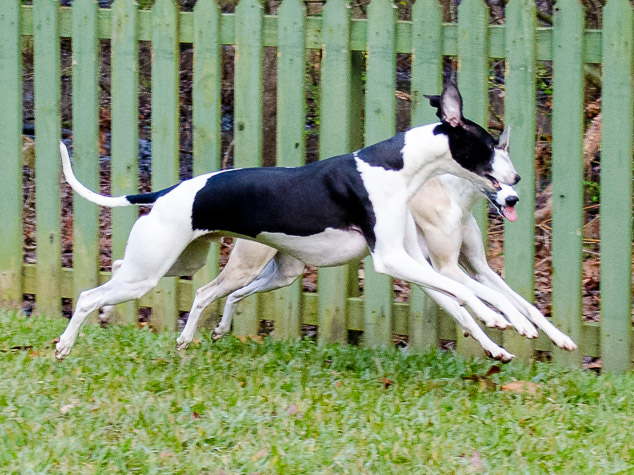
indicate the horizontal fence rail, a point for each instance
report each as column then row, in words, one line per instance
column 357, row 106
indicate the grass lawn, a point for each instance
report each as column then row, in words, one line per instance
column 125, row 400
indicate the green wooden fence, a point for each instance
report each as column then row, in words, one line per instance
column 344, row 112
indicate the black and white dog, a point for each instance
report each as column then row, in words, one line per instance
column 323, row 214
column 449, row 237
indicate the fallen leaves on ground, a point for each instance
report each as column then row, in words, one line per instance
column 521, row 387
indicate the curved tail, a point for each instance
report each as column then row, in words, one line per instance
column 102, row 200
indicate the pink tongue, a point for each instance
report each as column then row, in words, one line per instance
column 509, row 213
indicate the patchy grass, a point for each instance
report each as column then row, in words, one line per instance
column 125, row 400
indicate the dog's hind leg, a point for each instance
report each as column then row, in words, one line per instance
column 280, row 272
column 152, row 248
column 246, row 262
column 474, row 260
column 106, row 312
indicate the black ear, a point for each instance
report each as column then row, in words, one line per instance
column 434, row 101
column 451, row 105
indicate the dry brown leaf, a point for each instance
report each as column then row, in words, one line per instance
column 66, row 409
column 493, row 370
column 521, row 387
column 386, row 382
column 259, row 455
column 165, row 455
column 246, row 338
column 476, row 461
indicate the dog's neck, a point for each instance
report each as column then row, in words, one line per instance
column 426, row 155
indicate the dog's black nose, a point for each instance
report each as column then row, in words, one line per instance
column 512, row 201
column 517, row 179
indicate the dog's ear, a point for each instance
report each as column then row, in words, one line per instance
column 434, row 101
column 503, row 141
column 451, row 105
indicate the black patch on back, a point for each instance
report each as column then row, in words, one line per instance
column 299, row 201
column 470, row 145
column 386, row 154
column 148, row 198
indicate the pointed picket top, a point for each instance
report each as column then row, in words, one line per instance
column 209, row 10
column 427, row 44
column 291, row 8
column 247, row 8
column 336, row 14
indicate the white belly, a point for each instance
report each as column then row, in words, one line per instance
column 331, row 247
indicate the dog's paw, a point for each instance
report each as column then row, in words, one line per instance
column 62, row 349
column 500, row 354
column 564, row 341
column 182, row 342
column 218, row 333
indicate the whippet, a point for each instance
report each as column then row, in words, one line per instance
column 449, row 237
column 322, row 214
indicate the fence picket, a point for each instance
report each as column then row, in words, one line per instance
column 47, row 161
column 85, row 146
column 567, row 173
column 616, row 179
column 207, row 115
column 380, row 124
column 124, row 152
column 426, row 79
column 473, row 76
column 165, row 126
column 11, row 230
column 248, row 120
column 291, row 119
column 519, row 248
column 334, row 139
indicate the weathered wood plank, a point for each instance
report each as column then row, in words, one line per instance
column 207, row 117
column 248, row 120
column 519, row 248
column 165, row 126
column 473, row 76
column 124, row 104
column 85, row 146
column 11, row 230
column 47, row 161
column 616, row 179
column 567, row 173
column 380, row 124
column 426, row 79
column 334, row 139
column 291, row 119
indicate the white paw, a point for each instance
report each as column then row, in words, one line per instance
column 494, row 320
column 524, row 327
column 218, row 333
column 563, row 341
column 63, row 347
column 182, row 342
column 500, row 354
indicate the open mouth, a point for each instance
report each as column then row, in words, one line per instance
column 494, row 182
column 508, row 212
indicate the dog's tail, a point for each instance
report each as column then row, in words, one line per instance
column 102, row 200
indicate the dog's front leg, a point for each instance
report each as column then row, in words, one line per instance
column 394, row 231
column 473, row 258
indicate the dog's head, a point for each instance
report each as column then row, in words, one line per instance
column 504, row 201
column 485, row 159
